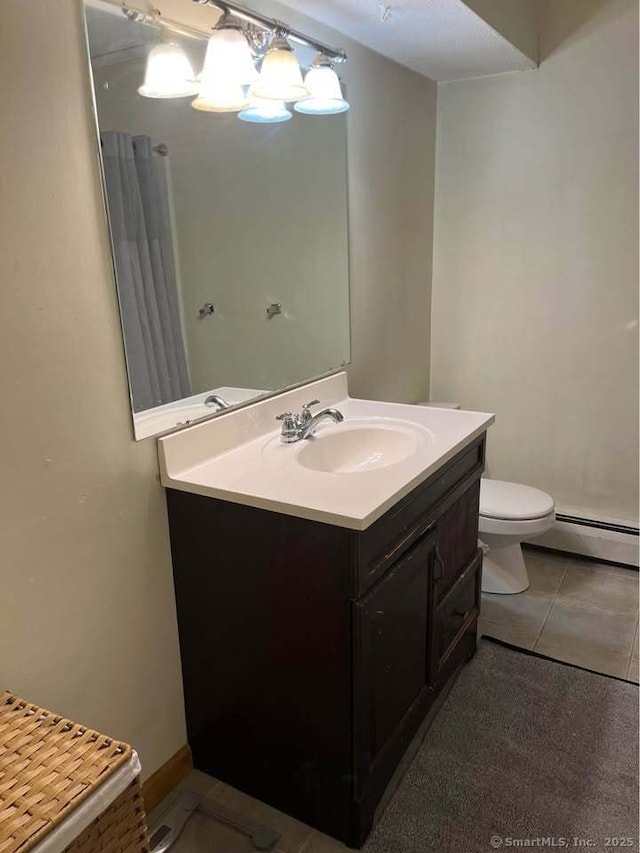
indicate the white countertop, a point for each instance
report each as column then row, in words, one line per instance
column 187, row 410
column 237, row 456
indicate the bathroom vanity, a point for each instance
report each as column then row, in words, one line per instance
column 319, row 621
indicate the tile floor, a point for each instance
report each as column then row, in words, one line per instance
column 203, row 834
column 575, row 610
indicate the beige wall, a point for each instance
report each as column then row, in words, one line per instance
column 87, row 622
column 535, row 299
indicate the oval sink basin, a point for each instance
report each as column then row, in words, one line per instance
column 345, row 450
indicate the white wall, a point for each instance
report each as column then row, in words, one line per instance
column 535, row 291
column 87, row 621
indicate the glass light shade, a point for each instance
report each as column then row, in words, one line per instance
column 263, row 111
column 168, row 74
column 220, row 96
column 280, row 76
column 325, row 93
column 229, row 57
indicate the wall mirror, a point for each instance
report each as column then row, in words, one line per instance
column 229, row 237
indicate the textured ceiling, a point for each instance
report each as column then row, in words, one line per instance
column 442, row 39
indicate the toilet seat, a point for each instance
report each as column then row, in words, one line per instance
column 513, row 502
column 524, row 528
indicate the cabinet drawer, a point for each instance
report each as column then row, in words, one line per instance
column 455, row 614
column 384, row 542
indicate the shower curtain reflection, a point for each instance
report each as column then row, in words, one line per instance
column 137, row 198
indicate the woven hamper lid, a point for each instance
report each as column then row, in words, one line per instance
column 48, row 766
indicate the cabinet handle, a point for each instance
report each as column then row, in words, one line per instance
column 409, row 544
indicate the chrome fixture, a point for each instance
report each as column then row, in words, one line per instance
column 296, row 427
column 305, row 414
column 274, row 309
column 240, row 39
column 216, row 400
column 259, row 28
column 262, row 22
column 308, row 429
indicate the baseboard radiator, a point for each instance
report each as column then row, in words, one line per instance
column 601, row 540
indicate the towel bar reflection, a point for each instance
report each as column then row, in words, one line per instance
column 274, row 309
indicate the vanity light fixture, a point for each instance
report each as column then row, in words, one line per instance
column 240, row 38
column 228, row 66
column 168, row 74
column 280, row 76
column 229, row 55
column 220, row 96
column 324, row 87
column 265, row 111
column 258, row 22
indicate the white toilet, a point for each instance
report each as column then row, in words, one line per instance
column 509, row 513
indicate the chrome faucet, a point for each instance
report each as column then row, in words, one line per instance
column 216, row 400
column 296, row 427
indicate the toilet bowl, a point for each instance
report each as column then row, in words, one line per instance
column 510, row 513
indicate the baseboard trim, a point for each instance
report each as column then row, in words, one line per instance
column 599, row 540
column 167, row 777
column 611, row 526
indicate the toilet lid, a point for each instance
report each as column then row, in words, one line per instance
column 512, row 501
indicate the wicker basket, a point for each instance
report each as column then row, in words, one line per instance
column 48, row 766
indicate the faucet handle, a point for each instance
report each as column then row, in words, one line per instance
column 305, row 417
column 289, row 420
column 290, row 425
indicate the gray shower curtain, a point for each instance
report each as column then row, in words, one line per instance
column 145, row 269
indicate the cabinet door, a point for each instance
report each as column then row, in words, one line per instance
column 391, row 664
column 457, row 539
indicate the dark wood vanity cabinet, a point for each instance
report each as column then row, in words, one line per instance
column 312, row 653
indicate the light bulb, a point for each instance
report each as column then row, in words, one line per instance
column 220, row 96
column 325, row 92
column 265, row 111
column 168, row 73
column 229, row 57
column 280, row 76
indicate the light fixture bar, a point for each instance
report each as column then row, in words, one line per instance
column 273, row 26
column 139, row 16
